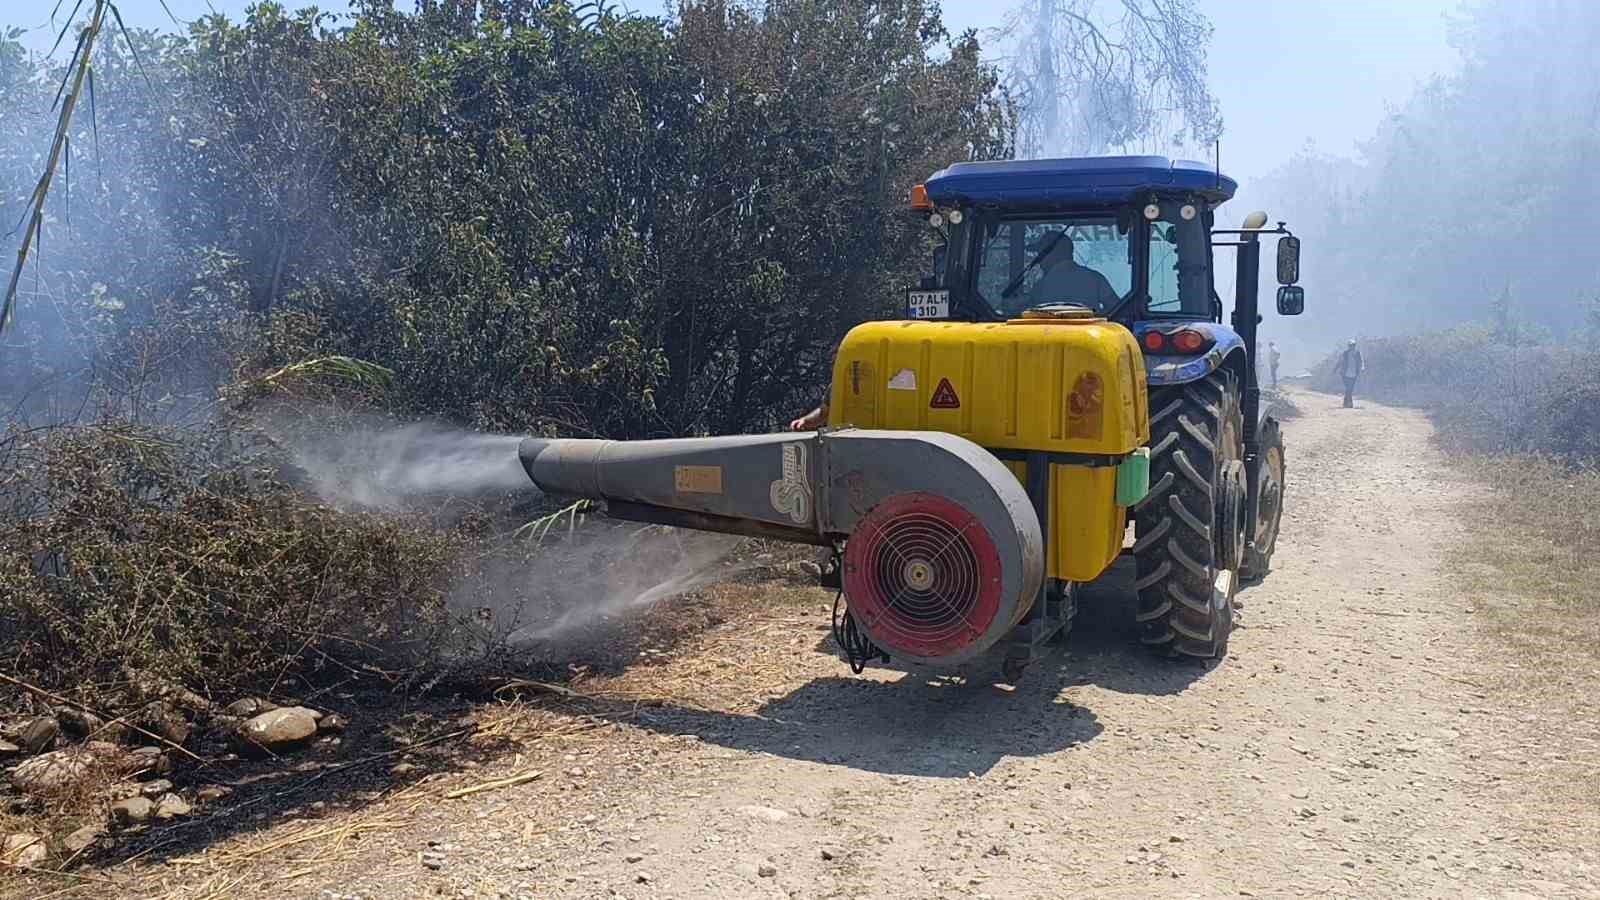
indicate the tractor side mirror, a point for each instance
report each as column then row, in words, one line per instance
column 1288, row 259
column 1291, row 300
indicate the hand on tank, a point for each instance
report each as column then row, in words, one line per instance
column 808, row 421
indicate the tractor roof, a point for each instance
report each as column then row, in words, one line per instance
column 1054, row 182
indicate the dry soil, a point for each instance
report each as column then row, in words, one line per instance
column 1355, row 742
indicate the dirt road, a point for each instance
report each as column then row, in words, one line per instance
column 1352, row 744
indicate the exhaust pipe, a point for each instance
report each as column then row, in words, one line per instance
column 943, row 553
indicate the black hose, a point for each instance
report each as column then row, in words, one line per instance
column 858, row 648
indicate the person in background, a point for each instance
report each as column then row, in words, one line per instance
column 1272, row 360
column 1351, row 366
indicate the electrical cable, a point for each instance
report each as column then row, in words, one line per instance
column 858, row 648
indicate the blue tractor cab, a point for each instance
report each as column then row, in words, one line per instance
column 1133, row 238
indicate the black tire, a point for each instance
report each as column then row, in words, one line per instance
column 1196, row 433
column 1269, row 505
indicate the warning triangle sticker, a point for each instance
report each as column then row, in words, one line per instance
column 944, row 396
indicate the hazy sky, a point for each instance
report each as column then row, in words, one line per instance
column 1288, row 72
column 1285, row 72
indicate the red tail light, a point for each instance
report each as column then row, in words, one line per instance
column 1155, row 341
column 1188, row 341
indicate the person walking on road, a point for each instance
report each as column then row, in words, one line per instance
column 1272, row 360
column 1351, row 366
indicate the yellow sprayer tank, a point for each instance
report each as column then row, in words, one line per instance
column 1059, row 389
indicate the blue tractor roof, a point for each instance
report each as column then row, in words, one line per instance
column 1055, row 182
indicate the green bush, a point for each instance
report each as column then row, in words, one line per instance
column 531, row 220
column 542, row 222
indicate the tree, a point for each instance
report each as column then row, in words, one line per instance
column 541, row 216
column 1439, row 209
column 1087, row 84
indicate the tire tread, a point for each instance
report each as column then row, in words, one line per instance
column 1174, row 546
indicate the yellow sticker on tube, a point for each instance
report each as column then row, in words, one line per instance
column 697, row 479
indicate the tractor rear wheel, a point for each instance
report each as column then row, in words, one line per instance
column 1189, row 528
column 1269, row 504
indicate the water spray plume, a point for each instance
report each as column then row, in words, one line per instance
column 386, row 467
column 553, row 579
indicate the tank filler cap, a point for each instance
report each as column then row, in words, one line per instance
column 1059, row 312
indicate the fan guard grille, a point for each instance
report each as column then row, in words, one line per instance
column 922, row 575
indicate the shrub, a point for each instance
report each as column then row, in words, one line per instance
column 126, row 548
column 1486, row 394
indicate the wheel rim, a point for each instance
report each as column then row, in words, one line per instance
column 1271, row 503
column 1233, row 492
column 1230, row 517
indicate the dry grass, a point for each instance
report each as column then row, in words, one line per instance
column 1528, row 569
column 1522, row 419
column 1487, row 395
column 1535, row 557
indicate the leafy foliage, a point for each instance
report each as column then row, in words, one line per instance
column 540, row 217
column 508, row 214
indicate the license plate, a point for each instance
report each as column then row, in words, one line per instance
column 927, row 304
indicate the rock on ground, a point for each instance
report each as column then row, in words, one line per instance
column 171, row 806
column 62, row 770
column 280, row 729
column 148, row 761
column 52, row 772
column 83, row 838
column 159, row 718
column 132, row 811
column 38, row 734
column 212, row 793
column 86, row 725
column 249, row 706
column 23, row 849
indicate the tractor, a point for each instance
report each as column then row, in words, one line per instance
column 1065, row 365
